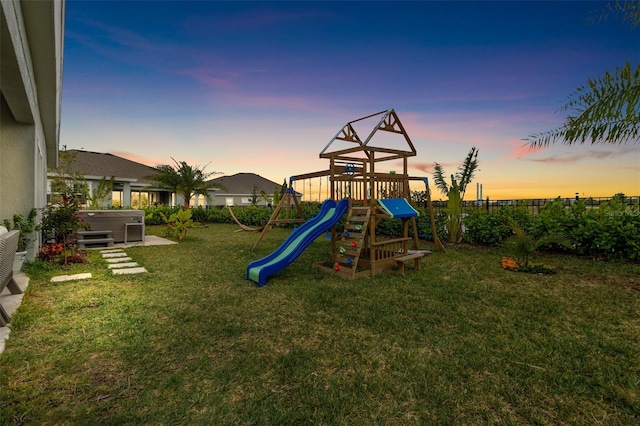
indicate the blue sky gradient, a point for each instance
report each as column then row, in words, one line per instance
column 263, row 86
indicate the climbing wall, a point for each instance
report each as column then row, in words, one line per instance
column 350, row 246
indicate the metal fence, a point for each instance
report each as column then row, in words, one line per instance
column 534, row 205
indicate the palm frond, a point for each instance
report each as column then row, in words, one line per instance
column 467, row 170
column 627, row 11
column 438, row 179
column 604, row 110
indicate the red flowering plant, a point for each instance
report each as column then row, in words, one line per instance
column 60, row 221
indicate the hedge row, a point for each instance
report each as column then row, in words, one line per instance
column 610, row 231
column 254, row 216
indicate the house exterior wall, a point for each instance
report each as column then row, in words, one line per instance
column 31, row 49
column 124, row 193
column 17, row 174
column 223, row 199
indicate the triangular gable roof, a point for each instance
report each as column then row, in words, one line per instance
column 244, row 183
column 91, row 163
column 388, row 122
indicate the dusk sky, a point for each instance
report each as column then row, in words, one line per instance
column 262, row 87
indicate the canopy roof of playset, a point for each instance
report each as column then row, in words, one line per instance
column 347, row 145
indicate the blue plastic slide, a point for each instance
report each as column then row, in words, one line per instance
column 330, row 213
column 398, row 207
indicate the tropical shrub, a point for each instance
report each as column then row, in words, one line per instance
column 100, row 194
column 491, row 228
column 178, row 224
column 252, row 215
column 610, row 231
column 26, row 225
column 199, row 214
column 184, row 179
column 455, row 192
column 51, row 251
column 62, row 219
column 219, row 215
column 152, row 214
column 522, row 245
column 484, row 228
column 59, row 223
column 392, row 227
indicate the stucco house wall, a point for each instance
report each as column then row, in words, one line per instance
column 31, row 56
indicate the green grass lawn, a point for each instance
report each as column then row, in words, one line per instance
column 191, row 342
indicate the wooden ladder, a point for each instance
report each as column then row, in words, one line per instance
column 350, row 246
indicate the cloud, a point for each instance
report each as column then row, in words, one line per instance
column 430, row 167
column 558, row 159
column 211, row 76
column 520, row 150
column 590, row 154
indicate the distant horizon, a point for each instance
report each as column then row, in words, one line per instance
column 470, row 194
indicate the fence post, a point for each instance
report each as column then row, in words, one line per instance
column 487, row 204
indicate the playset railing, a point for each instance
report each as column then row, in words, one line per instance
column 389, row 249
column 362, row 188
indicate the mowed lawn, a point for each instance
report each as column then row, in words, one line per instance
column 459, row 341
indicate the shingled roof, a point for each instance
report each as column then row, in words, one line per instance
column 243, row 183
column 91, row 163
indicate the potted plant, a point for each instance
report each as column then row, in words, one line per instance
column 27, row 226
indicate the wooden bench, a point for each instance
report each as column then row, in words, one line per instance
column 8, row 248
column 95, row 237
column 415, row 256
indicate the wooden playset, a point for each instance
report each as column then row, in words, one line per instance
column 362, row 170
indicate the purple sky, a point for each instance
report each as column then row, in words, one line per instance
column 263, row 86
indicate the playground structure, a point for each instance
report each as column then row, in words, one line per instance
column 362, row 171
column 287, row 202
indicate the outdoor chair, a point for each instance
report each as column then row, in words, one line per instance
column 8, row 248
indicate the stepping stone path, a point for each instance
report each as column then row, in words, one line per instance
column 61, row 278
column 120, row 263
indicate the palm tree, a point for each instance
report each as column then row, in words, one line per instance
column 100, row 194
column 607, row 108
column 455, row 192
column 184, row 179
column 522, row 245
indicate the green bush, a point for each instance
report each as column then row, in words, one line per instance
column 178, row 223
column 152, row 214
column 610, row 230
column 493, row 228
column 199, row 214
column 219, row 215
column 252, row 215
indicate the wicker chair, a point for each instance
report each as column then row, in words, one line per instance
column 8, row 248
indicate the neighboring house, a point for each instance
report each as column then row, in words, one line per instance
column 132, row 186
column 31, row 52
column 241, row 188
